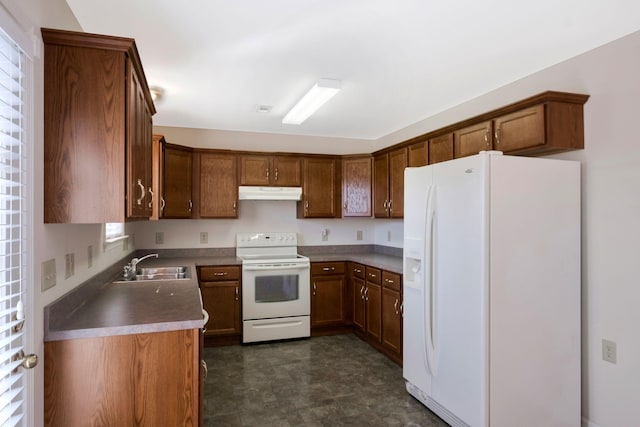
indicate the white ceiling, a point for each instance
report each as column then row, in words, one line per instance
column 399, row 61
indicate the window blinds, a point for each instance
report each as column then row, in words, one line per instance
column 13, row 216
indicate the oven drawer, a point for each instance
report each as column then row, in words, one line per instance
column 320, row 268
column 221, row 273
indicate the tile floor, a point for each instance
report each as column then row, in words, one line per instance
column 325, row 381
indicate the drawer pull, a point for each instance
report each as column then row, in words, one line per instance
column 219, row 273
column 328, row 268
column 357, row 270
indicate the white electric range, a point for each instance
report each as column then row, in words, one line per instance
column 276, row 302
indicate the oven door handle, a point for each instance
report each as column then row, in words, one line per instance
column 263, row 267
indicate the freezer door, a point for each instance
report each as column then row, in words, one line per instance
column 460, row 289
column 417, row 184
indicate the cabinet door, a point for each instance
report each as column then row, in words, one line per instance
column 373, row 298
column 418, row 154
column 255, row 170
column 222, row 302
column 356, row 186
column 319, row 189
column 286, row 171
column 520, row 130
column 441, row 148
column 391, row 320
column 176, row 198
column 218, row 194
column 327, row 300
column 380, row 186
column 359, row 302
column 473, row 139
column 397, row 163
column 139, row 142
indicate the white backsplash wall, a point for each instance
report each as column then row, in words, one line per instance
column 255, row 216
column 389, row 232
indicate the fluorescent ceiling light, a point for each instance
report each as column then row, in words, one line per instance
column 320, row 93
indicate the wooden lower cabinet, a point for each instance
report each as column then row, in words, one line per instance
column 329, row 310
column 149, row 379
column 392, row 305
column 359, row 304
column 222, row 299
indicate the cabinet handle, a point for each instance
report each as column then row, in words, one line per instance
column 220, row 273
column 163, row 204
column 345, row 206
column 362, row 292
column 234, row 205
column 306, row 207
column 366, row 294
column 142, row 192
column 497, row 133
column 357, row 270
column 267, row 171
column 151, row 202
column 203, row 363
column 384, row 205
column 236, row 293
column 190, row 205
column 402, row 309
column 389, row 281
column 314, row 288
column 395, row 306
column 328, row 268
column 275, row 173
column 390, row 208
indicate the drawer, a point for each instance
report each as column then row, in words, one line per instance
column 356, row 270
column 391, row 280
column 319, row 268
column 373, row 275
column 220, row 273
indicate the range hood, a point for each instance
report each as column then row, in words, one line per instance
column 269, row 193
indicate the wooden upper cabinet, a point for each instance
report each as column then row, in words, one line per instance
column 264, row 170
column 254, row 170
column 97, row 129
column 520, row 130
column 418, row 154
column 320, row 188
column 287, row 171
column 388, row 179
column 356, row 186
column 157, row 173
column 176, row 198
column 218, row 185
column 441, row 148
column 473, row 139
column 380, row 185
column 397, row 164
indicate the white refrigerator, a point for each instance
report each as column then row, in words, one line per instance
column 492, row 290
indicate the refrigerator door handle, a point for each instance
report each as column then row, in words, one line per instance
column 429, row 288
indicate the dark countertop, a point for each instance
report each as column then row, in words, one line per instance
column 100, row 307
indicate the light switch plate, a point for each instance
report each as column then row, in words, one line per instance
column 89, row 256
column 359, row 235
column 609, row 351
column 159, row 238
column 204, row 237
column 69, row 262
column 48, row 274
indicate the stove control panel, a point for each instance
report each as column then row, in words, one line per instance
column 260, row 240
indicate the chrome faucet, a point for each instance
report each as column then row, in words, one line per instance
column 129, row 271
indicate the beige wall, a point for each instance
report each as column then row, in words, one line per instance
column 611, row 207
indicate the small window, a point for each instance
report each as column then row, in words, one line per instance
column 113, row 231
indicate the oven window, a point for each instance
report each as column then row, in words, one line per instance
column 276, row 288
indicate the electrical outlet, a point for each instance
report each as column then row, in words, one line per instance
column 325, row 234
column 609, row 351
column 204, row 237
column 68, row 265
column 359, row 235
column 388, row 236
column 48, row 274
column 125, row 244
column 89, row 256
column 159, row 238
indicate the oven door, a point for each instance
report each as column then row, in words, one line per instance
column 275, row 290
